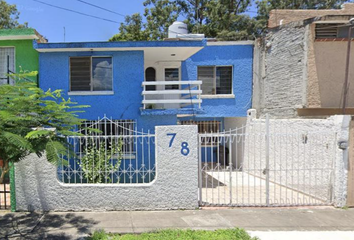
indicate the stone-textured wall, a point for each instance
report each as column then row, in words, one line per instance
column 304, row 155
column 175, row 185
column 280, row 78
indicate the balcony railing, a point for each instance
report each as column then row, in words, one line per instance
column 188, row 95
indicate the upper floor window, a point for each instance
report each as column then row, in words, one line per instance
column 91, row 74
column 216, row 79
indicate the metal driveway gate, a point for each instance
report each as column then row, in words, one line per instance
column 263, row 164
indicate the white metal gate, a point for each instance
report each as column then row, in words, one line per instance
column 263, row 164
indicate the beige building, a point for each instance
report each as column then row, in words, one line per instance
column 299, row 67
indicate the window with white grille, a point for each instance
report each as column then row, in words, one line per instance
column 206, row 127
column 91, row 74
column 216, row 79
column 6, row 52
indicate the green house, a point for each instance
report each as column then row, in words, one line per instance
column 17, row 53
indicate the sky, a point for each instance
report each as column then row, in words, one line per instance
column 50, row 21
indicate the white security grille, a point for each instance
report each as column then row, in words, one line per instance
column 205, row 127
column 263, row 165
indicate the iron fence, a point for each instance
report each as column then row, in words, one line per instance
column 263, row 164
column 117, row 154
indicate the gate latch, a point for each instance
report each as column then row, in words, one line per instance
column 343, row 145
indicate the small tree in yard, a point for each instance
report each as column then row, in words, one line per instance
column 34, row 121
column 98, row 163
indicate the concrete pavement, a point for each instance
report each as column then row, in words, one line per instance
column 258, row 221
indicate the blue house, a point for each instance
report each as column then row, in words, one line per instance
column 152, row 83
column 140, row 85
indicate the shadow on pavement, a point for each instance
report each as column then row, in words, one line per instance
column 43, row 226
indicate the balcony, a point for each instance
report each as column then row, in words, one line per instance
column 180, row 96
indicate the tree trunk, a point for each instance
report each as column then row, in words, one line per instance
column 5, row 169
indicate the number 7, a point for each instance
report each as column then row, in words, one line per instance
column 173, row 138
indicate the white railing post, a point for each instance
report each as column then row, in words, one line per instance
column 177, row 92
column 267, row 159
column 199, row 95
column 144, row 89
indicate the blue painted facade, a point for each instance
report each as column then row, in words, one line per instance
column 240, row 57
column 125, row 102
column 128, row 75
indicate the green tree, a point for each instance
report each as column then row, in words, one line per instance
column 227, row 21
column 34, row 121
column 160, row 14
column 223, row 19
column 98, row 162
column 195, row 13
column 265, row 6
column 9, row 16
column 131, row 30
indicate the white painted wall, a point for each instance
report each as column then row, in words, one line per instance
column 175, row 185
column 160, row 76
column 237, row 148
column 303, row 154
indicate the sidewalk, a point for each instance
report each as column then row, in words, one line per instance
column 258, row 221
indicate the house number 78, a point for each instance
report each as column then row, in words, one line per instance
column 184, row 145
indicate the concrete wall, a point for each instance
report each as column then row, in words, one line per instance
column 329, row 68
column 237, row 148
column 303, row 154
column 240, row 57
column 281, row 71
column 283, row 16
column 350, row 195
column 175, row 185
column 294, row 70
column 313, row 86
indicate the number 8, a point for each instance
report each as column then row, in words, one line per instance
column 185, row 149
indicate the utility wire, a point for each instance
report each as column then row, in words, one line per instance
column 69, row 10
column 105, row 9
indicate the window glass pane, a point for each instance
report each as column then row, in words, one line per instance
column 206, row 75
column 80, row 76
column 102, row 73
column 223, row 80
column 171, row 74
column 4, row 52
